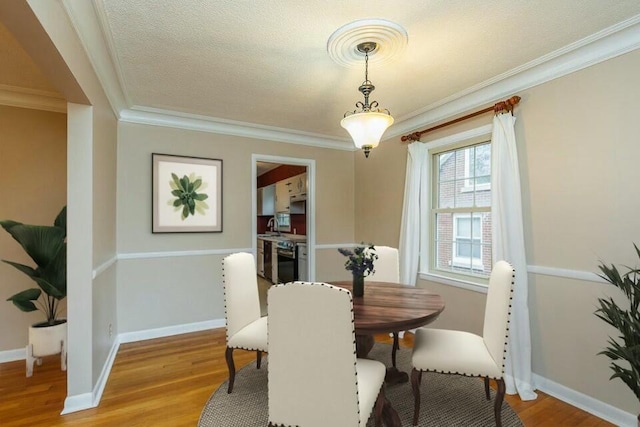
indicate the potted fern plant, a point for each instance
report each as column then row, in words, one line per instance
column 47, row 247
column 626, row 319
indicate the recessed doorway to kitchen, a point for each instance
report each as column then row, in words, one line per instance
column 282, row 223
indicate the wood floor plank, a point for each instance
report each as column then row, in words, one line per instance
column 167, row 381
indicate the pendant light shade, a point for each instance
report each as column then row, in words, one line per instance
column 367, row 125
column 366, row 128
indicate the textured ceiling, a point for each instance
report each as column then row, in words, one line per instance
column 266, row 62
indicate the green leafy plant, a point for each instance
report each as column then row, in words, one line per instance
column 627, row 321
column 360, row 261
column 186, row 196
column 47, row 247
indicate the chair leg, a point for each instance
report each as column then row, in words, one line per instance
column 498, row 403
column 416, row 378
column 377, row 411
column 486, row 388
column 396, row 346
column 232, row 368
column 258, row 358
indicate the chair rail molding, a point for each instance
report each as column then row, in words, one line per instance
column 172, row 254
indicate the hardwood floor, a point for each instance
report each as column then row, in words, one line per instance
column 166, row 382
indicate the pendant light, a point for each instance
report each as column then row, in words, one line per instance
column 367, row 124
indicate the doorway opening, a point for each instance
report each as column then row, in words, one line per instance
column 283, row 221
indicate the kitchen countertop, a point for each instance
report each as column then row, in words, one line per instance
column 296, row 238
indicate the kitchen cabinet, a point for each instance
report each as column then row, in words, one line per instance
column 267, row 200
column 302, row 262
column 260, row 257
column 282, row 195
column 289, row 190
column 298, row 185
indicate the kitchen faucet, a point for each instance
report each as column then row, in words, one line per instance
column 273, row 221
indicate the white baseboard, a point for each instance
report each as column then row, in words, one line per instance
column 78, row 402
column 170, row 330
column 586, row 403
column 98, row 389
column 91, row 400
column 13, row 355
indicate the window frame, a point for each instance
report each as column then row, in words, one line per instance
column 427, row 270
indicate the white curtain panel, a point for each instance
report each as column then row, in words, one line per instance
column 414, row 226
column 508, row 244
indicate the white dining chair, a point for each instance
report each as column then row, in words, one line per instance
column 387, row 266
column 464, row 353
column 246, row 330
column 387, row 269
column 314, row 377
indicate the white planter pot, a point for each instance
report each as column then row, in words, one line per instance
column 46, row 341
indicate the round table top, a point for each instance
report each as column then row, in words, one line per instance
column 391, row 307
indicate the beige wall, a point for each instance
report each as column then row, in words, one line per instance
column 33, row 156
column 581, row 176
column 45, row 31
column 379, row 193
column 578, row 148
column 150, row 292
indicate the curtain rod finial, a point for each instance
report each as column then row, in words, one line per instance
column 411, row 137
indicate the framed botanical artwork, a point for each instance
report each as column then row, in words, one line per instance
column 187, row 194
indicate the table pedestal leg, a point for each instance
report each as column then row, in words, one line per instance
column 395, row 376
column 364, row 344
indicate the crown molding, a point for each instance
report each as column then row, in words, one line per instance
column 14, row 96
column 174, row 119
column 609, row 43
column 89, row 21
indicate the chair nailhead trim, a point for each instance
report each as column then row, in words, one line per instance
column 459, row 373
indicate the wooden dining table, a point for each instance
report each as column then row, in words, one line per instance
column 390, row 308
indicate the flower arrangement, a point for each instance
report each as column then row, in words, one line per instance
column 360, row 260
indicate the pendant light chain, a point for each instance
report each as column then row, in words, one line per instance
column 366, row 66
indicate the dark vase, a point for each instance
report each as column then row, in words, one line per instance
column 358, row 285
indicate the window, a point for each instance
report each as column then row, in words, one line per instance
column 461, row 212
column 477, row 168
column 467, row 241
column 284, row 221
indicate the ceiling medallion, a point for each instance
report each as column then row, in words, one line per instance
column 390, row 39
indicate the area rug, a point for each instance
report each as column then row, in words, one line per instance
column 447, row 400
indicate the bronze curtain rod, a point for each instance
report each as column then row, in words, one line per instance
column 506, row 105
